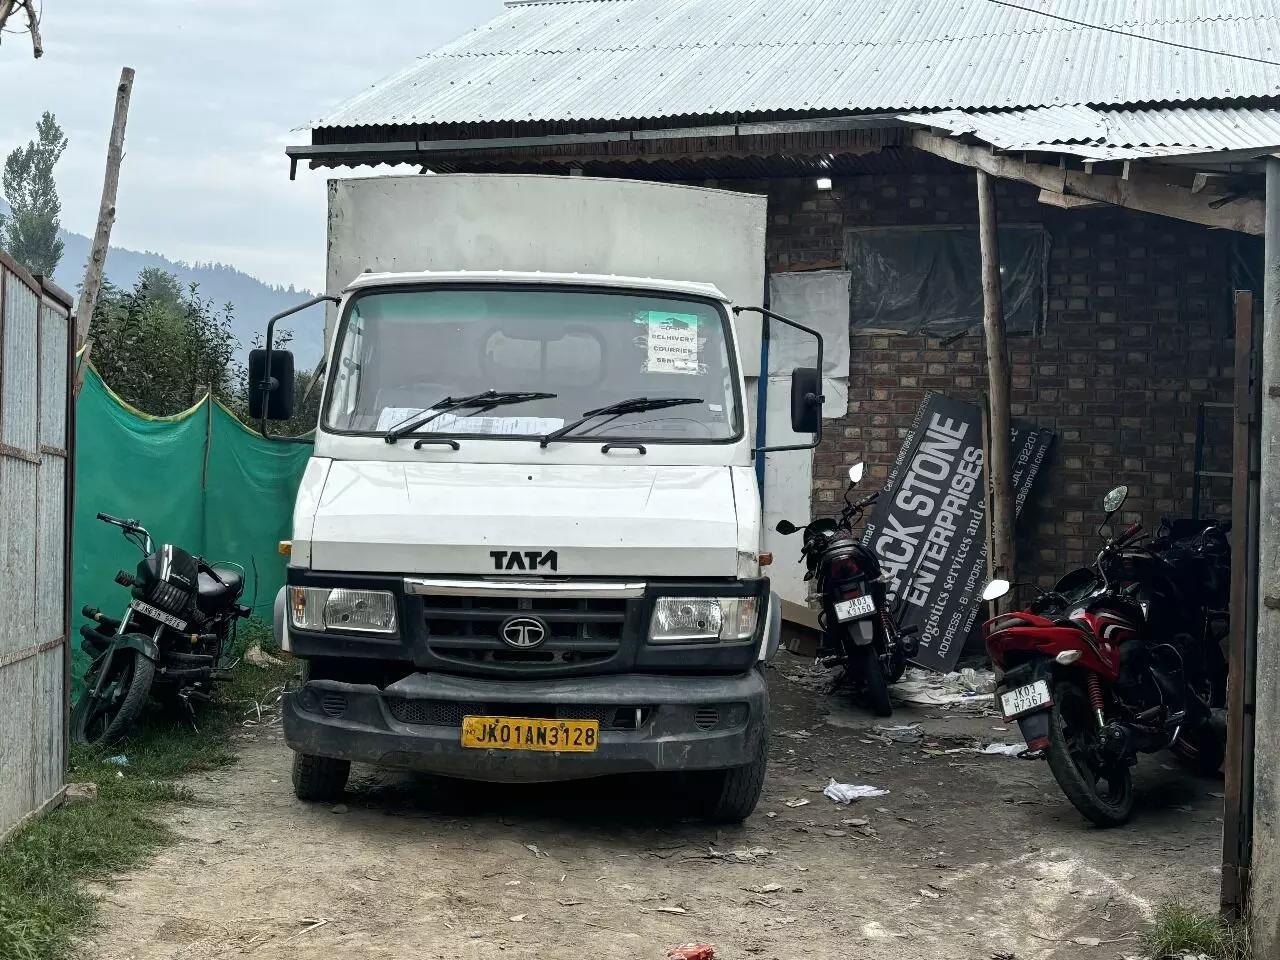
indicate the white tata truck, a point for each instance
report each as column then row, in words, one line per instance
column 528, row 545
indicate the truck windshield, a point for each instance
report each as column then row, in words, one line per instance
column 401, row 353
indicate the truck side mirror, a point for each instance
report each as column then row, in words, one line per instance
column 271, row 384
column 806, row 400
column 806, row 386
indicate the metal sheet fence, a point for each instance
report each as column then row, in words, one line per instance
column 35, row 368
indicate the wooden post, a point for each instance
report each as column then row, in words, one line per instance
column 9, row 7
column 33, row 24
column 999, row 468
column 1264, row 870
column 1238, row 768
column 106, row 218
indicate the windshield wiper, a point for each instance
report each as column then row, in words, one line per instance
column 481, row 401
column 635, row 405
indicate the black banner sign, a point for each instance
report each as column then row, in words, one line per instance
column 929, row 528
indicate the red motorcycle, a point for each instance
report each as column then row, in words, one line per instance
column 1104, row 667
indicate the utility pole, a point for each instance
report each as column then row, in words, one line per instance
column 106, row 218
column 999, row 469
column 1264, row 874
column 9, row 7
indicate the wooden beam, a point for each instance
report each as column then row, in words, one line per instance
column 1052, row 199
column 106, row 218
column 1246, row 216
column 1000, row 469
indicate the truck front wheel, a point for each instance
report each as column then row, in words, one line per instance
column 730, row 796
column 320, row 779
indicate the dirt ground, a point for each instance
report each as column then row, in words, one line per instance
column 967, row 857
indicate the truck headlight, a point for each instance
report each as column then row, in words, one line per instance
column 703, row 619
column 343, row 609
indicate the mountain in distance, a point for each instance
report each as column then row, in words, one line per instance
column 254, row 302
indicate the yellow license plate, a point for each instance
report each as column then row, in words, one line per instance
column 518, row 733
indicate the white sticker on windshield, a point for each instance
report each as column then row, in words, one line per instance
column 391, row 416
column 673, row 343
column 482, row 426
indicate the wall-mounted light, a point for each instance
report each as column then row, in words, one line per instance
column 824, row 183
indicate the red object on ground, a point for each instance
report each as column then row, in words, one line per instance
column 692, row 951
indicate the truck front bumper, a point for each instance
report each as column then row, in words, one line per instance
column 647, row 723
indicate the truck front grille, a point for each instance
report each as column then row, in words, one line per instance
column 449, row 713
column 580, row 630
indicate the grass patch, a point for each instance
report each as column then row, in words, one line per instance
column 1180, row 929
column 43, row 906
column 251, row 633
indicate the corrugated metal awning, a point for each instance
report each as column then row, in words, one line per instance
column 1106, row 134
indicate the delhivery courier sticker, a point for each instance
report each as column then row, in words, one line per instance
column 673, row 343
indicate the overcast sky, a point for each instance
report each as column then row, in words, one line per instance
column 220, row 86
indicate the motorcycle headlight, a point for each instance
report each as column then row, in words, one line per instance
column 703, row 619
column 342, row 609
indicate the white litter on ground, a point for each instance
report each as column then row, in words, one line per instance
column 1004, row 749
column 848, row 792
column 968, row 691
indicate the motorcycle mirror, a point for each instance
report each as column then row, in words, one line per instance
column 856, row 472
column 786, row 528
column 1114, row 500
column 996, row 589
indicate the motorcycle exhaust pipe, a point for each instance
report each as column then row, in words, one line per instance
column 97, row 616
column 92, row 642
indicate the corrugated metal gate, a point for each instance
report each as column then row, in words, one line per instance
column 35, row 536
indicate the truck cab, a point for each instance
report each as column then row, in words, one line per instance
column 528, row 544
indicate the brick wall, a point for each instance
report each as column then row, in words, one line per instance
column 1139, row 332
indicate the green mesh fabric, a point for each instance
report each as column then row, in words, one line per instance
column 200, row 480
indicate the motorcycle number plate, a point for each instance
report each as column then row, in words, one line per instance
column 154, row 613
column 1026, row 699
column 847, row 610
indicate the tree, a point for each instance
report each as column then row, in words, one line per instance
column 160, row 346
column 30, row 232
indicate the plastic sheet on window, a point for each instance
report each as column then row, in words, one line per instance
column 928, row 280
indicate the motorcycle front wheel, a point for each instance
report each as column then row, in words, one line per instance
column 105, row 718
column 1104, row 794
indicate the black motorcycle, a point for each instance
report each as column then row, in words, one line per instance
column 859, row 631
column 1197, row 557
column 180, row 621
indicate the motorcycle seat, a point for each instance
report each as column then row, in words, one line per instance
column 212, row 592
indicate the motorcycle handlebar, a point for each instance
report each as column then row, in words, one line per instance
column 117, row 522
column 1133, row 530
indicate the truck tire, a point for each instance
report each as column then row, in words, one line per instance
column 319, row 779
column 730, row 796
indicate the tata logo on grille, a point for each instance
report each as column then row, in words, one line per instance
column 524, row 633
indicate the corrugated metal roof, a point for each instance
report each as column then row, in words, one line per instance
column 626, row 59
column 1101, row 134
